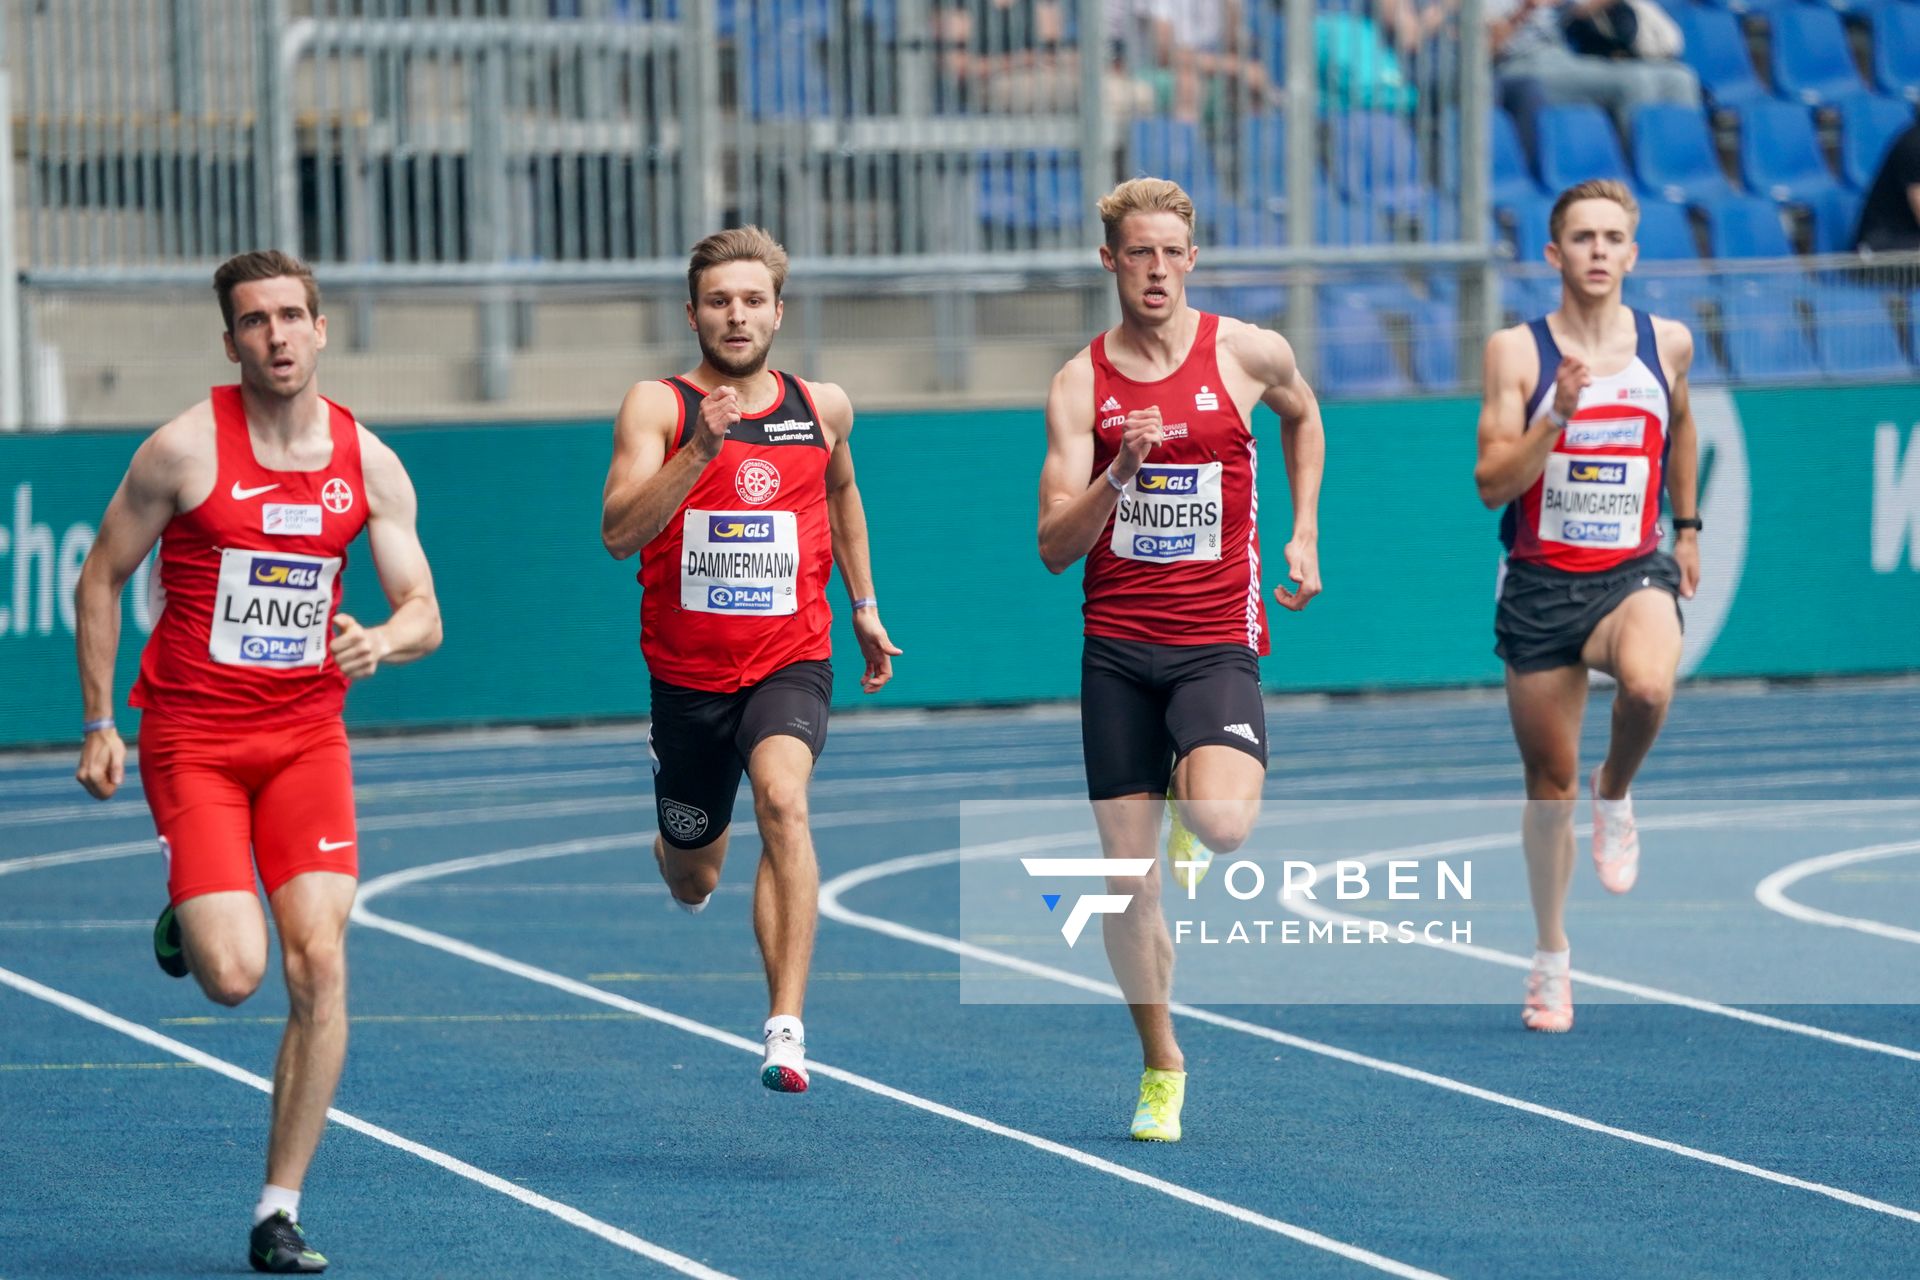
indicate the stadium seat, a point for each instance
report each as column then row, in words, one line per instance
column 1513, row 181
column 1376, row 162
column 1758, row 8
column 1175, row 149
column 1896, row 51
column 1780, row 154
column 1836, row 216
column 1747, row 227
column 1811, row 61
column 1356, row 355
column 1853, row 336
column 1436, row 345
column 1765, row 339
column 1673, row 155
column 1868, row 126
column 1263, row 153
column 1717, row 51
column 1577, row 143
column 780, row 71
column 1524, row 297
column 1706, row 370
column 1256, row 303
column 1030, row 191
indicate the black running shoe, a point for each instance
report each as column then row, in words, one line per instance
column 166, row 945
column 280, row 1246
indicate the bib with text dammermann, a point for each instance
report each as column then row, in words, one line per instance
column 1169, row 513
column 740, row 562
column 271, row 609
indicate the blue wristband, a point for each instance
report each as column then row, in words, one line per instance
column 95, row 726
column 865, row 602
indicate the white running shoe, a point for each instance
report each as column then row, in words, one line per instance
column 1616, row 841
column 1549, row 1005
column 785, row 1068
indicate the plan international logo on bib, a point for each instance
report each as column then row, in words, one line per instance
column 1163, row 547
column 740, row 599
column 273, row 648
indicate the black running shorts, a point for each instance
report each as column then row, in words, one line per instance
column 1145, row 706
column 701, row 741
column 1545, row 615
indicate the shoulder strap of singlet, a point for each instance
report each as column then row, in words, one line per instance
column 687, row 398
column 1647, row 347
column 229, row 426
column 1549, row 361
column 346, row 437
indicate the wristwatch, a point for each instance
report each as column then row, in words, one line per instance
column 1687, row 522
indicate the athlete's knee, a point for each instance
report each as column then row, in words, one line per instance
column 780, row 803
column 316, row 972
column 1644, row 693
column 693, row 882
column 228, row 980
column 1552, row 780
column 1144, row 890
column 1222, row 828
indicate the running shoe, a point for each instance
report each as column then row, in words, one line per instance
column 280, row 1246
column 167, row 952
column 1184, row 846
column 785, row 1067
column 1616, row 841
column 1162, row 1094
column 1549, row 1005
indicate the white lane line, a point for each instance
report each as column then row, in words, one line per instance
column 559, row 982
column 831, row 908
column 452, row 1164
column 1313, row 910
column 1772, row 891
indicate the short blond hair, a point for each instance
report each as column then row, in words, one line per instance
column 1143, row 195
column 737, row 244
column 1595, row 189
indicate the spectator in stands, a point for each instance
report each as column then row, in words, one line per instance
column 1013, row 56
column 1200, row 51
column 1535, row 66
column 1890, row 218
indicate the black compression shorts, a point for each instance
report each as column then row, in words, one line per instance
column 1145, row 706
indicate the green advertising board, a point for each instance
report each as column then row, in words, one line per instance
column 1812, row 502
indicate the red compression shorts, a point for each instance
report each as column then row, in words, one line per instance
column 224, row 800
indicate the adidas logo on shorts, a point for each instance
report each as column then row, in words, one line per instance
column 1242, row 731
column 1111, row 406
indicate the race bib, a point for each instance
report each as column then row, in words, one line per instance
column 1593, row 501
column 1169, row 513
column 740, row 562
column 271, row 609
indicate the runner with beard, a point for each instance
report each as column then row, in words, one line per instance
column 735, row 484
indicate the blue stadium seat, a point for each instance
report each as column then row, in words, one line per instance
column 1853, row 335
column 1765, row 339
column 1436, row 344
column 1811, row 61
column 1836, row 216
column 1175, row 149
column 1759, row 8
column 1868, row 126
column 1577, row 143
column 1337, row 222
column 1717, row 51
column 1523, row 298
column 1747, row 227
column 1674, row 157
column 1258, row 303
column 1513, row 182
column 1529, row 218
column 1030, row 191
column 1263, row 149
column 1666, row 236
column 780, row 71
column 1356, row 355
column 1707, row 370
column 1377, row 163
column 1780, row 153
column 1896, row 51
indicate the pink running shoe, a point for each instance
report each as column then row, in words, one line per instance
column 1549, row 1005
column 1616, row 841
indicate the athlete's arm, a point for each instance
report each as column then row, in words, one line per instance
column 1303, row 444
column 641, row 494
column 847, row 524
column 1073, row 512
column 412, row 629
column 162, row 469
column 1513, row 452
column 1675, row 341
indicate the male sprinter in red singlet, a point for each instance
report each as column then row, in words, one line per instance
column 1150, row 476
column 735, row 485
column 254, row 495
column 1584, row 415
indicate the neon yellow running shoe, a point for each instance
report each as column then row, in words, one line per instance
column 1184, row 846
column 1162, row 1093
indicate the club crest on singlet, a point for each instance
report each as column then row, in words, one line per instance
column 1169, row 513
column 757, row 481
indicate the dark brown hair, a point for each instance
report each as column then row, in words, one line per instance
column 262, row 264
column 737, row 244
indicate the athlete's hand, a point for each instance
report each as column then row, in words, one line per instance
column 1686, row 554
column 1303, row 566
column 1141, row 436
column 1568, row 381
column 356, row 649
column 875, row 648
column 103, row 763
column 718, row 412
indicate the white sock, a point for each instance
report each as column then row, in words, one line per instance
column 1553, row 962
column 691, row 908
column 272, row 1200
column 784, row 1022
column 1609, row 806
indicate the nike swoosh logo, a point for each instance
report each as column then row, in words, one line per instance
column 241, row 495
column 328, row 846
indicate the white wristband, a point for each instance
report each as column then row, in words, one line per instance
column 865, row 602
column 1556, row 419
column 1119, row 485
